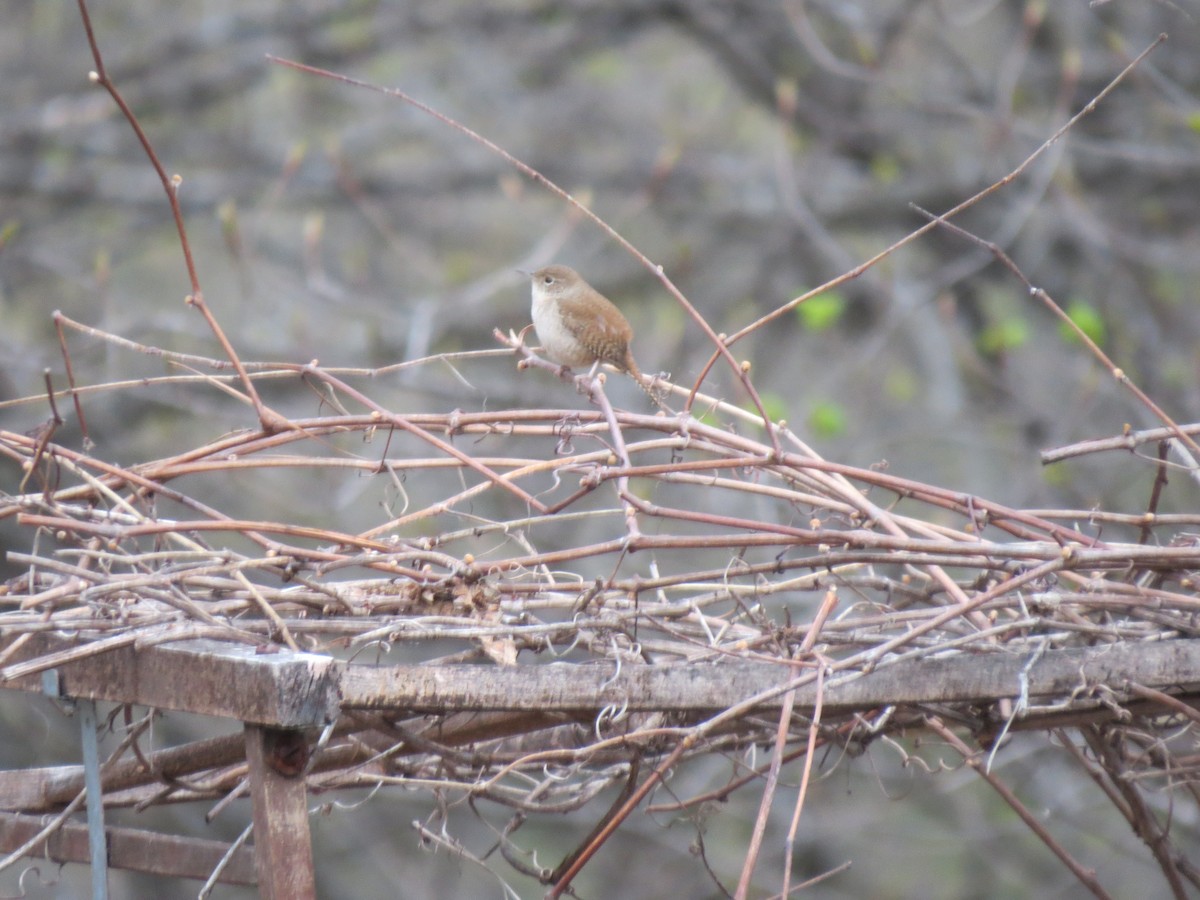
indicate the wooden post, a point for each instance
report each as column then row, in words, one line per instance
column 282, row 844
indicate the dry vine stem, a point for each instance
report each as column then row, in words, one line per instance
column 710, row 581
column 633, row 591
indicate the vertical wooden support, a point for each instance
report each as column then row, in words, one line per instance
column 282, row 844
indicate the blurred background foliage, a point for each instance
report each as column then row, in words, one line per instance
column 753, row 149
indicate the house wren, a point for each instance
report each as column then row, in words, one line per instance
column 579, row 326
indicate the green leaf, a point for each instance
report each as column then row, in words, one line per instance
column 901, row 384
column 9, row 231
column 1089, row 320
column 886, row 169
column 1007, row 334
column 821, row 312
column 827, row 420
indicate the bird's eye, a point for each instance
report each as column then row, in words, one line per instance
column 549, row 279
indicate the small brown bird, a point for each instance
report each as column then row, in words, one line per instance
column 579, row 326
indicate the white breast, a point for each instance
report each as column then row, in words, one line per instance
column 557, row 342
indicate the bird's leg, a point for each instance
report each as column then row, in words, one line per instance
column 586, row 384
